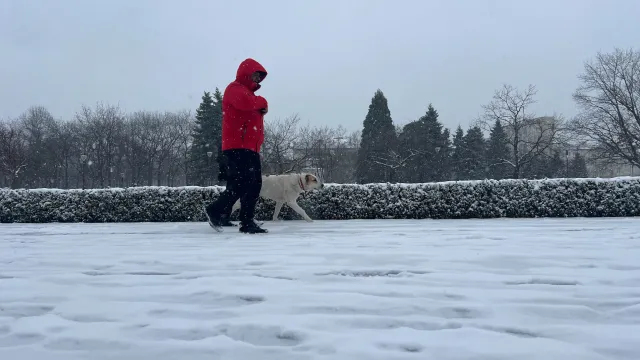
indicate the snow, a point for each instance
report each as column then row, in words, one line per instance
column 512, row 182
column 511, row 289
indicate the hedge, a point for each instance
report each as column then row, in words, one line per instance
column 447, row 200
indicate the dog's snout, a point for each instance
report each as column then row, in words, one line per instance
column 321, row 186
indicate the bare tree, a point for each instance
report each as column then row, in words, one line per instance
column 172, row 158
column 324, row 150
column 102, row 130
column 353, row 139
column 331, row 153
column 145, row 145
column 67, row 154
column 103, row 146
column 39, row 126
column 13, row 153
column 281, row 149
column 609, row 99
column 184, row 129
column 156, row 147
column 530, row 137
column 328, row 152
column 395, row 161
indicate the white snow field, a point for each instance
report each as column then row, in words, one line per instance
column 503, row 289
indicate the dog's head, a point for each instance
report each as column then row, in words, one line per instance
column 311, row 182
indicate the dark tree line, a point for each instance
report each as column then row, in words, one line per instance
column 102, row 146
column 105, row 147
column 508, row 140
column 519, row 145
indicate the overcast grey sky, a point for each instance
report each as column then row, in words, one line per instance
column 325, row 58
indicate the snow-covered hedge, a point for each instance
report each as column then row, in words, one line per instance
column 448, row 200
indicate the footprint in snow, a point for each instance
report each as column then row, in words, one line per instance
column 20, row 339
column 23, row 310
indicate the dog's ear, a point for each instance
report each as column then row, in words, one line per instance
column 307, row 178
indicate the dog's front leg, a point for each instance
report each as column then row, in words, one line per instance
column 276, row 211
column 294, row 205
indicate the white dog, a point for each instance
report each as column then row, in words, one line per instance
column 285, row 189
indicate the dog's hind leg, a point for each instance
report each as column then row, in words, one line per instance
column 235, row 207
column 276, row 211
column 294, row 205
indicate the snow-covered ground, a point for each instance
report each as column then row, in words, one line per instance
column 363, row 290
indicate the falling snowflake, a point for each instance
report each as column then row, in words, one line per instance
column 89, row 162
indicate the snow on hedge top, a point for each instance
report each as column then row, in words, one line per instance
column 622, row 180
column 554, row 181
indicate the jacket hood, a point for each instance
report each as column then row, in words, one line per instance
column 246, row 68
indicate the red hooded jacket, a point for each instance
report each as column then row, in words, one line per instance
column 242, row 121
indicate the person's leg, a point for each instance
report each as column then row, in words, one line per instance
column 251, row 188
column 222, row 166
column 218, row 211
column 222, row 176
column 250, row 194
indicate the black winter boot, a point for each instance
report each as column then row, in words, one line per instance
column 215, row 220
column 252, row 228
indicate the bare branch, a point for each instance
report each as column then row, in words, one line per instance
column 609, row 99
column 530, row 137
column 393, row 160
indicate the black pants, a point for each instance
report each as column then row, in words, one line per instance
column 244, row 180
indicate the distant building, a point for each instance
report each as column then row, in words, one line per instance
column 601, row 169
column 538, row 130
column 332, row 164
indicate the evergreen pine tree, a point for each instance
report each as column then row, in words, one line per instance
column 216, row 133
column 206, row 137
column 498, row 153
column 536, row 168
column 545, row 166
column 474, row 162
column 457, row 156
column 578, row 167
column 444, row 156
column 556, row 166
column 430, row 144
column 435, row 147
column 377, row 143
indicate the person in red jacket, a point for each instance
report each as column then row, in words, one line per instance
column 242, row 137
